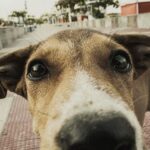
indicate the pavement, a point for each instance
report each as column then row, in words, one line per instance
column 17, row 132
column 15, row 119
column 4, row 109
column 41, row 33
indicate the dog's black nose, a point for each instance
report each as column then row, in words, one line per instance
column 84, row 132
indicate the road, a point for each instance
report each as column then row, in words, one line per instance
column 41, row 33
column 15, row 120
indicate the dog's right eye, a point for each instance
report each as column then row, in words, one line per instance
column 120, row 61
column 36, row 71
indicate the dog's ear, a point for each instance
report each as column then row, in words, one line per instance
column 139, row 47
column 12, row 65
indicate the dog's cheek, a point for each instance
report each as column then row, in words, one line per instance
column 35, row 128
column 37, row 89
column 39, row 115
column 38, row 96
column 39, row 123
column 49, row 134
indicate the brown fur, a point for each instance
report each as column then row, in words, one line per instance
column 64, row 53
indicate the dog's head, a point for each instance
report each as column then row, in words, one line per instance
column 79, row 84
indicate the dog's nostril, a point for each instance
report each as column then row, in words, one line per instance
column 123, row 146
column 85, row 132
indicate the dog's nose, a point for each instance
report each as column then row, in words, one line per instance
column 84, row 132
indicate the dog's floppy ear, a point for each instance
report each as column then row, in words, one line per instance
column 12, row 65
column 139, row 47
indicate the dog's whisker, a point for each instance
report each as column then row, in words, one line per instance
column 139, row 98
column 43, row 113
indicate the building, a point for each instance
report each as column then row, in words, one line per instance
column 133, row 7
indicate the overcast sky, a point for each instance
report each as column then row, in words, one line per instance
column 35, row 7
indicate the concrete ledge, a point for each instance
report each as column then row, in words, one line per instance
column 9, row 34
column 133, row 21
column 143, row 20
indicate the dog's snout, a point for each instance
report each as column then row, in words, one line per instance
column 87, row 133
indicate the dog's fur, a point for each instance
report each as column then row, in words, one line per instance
column 80, row 79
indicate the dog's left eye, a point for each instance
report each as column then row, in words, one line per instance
column 36, row 71
column 120, row 61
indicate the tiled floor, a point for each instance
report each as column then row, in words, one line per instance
column 18, row 135
column 147, row 130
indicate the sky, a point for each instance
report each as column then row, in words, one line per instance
column 35, row 7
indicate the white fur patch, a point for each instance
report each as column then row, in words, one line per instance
column 85, row 97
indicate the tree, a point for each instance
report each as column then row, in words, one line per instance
column 98, row 3
column 45, row 17
column 39, row 21
column 30, row 20
column 69, row 3
column 19, row 14
column 105, row 3
column 1, row 21
column 16, row 14
column 23, row 15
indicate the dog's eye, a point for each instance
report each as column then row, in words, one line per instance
column 36, row 71
column 120, row 61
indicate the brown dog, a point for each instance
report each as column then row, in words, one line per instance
column 86, row 90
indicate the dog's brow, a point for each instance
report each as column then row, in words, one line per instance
column 74, row 35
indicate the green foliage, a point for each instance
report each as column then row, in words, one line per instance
column 19, row 14
column 70, row 3
column 105, row 3
column 1, row 20
column 102, row 3
column 39, row 21
column 97, row 13
column 30, row 20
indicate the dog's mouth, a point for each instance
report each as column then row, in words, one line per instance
column 123, row 146
column 85, row 132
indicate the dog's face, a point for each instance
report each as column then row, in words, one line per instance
column 79, row 84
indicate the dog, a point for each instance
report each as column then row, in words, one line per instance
column 86, row 90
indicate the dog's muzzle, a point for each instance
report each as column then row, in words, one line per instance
column 91, row 132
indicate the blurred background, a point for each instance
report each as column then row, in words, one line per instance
column 26, row 22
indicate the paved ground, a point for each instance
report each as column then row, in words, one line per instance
column 147, row 130
column 15, row 120
column 4, row 110
column 17, row 133
column 41, row 33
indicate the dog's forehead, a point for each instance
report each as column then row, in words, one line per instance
column 74, row 43
column 75, row 35
column 80, row 38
